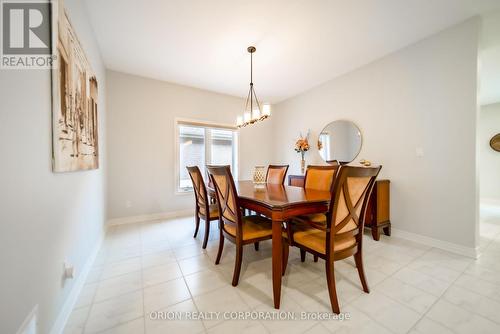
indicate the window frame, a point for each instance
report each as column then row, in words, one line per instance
column 207, row 125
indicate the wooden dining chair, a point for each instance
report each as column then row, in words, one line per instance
column 240, row 230
column 317, row 178
column 276, row 174
column 343, row 235
column 204, row 209
column 320, row 177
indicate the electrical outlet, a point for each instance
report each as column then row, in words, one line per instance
column 128, row 204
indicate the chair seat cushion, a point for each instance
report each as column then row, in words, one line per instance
column 319, row 218
column 315, row 239
column 253, row 227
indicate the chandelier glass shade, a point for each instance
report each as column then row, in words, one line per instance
column 253, row 111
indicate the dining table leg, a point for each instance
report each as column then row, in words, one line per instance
column 277, row 261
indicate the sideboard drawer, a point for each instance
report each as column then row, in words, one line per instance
column 296, row 180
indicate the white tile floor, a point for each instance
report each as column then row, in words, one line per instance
column 158, row 266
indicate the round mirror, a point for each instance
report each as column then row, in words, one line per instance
column 340, row 141
column 495, row 142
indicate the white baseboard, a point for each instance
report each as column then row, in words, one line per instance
column 72, row 298
column 150, row 217
column 30, row 324
column 436, row 243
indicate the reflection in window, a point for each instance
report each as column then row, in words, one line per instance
column 191, row 153
column 199, row 146
column 222, row 147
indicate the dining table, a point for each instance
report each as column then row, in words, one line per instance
column 279, row 203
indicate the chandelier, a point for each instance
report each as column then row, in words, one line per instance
column 253, row 111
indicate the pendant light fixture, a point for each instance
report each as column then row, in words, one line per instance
column 253, row 111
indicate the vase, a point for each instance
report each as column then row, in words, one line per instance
column 302, row 165
column 259, row 175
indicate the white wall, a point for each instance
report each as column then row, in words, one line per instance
column 423, row 96
column 489, row 55
column 489, row 160
column 141, row 114
column 45, row 218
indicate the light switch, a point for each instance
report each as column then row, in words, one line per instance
column 419, row 151
column 69, row 271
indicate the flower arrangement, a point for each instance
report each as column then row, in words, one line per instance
column 302, row 146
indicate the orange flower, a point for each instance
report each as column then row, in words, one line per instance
column 302, row 144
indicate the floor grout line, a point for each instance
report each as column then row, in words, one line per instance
column 436, row 301
column 91, row 306
column 192, row 297
column 382, row 324
column 126, row 239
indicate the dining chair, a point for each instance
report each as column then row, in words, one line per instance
column 343, row 235
column 240, row 230
column 276, row 174
column 317, row 178
column 204, row 209
column 320, row 177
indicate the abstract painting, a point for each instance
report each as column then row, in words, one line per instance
column 74, row 101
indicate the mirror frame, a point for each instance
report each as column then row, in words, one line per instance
column 495, row 142
column 333, row 162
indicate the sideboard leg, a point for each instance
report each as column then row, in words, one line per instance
column 375, row 233
column 387, row 230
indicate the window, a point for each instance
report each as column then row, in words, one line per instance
column 203, row 144
column 324, row 139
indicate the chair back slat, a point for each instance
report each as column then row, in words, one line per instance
column 200, row 191
column 276, row 174
column 227, row 198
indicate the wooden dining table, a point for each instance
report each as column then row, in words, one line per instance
column 280, row 203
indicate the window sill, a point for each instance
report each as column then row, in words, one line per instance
column 183, row 192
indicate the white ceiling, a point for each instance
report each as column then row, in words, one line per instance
column 300, row 43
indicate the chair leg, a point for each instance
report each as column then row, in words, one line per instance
column 197, row 221
column 237, row 264
column 302, row 255
column 256, row 245
column 315, row 258
column 285, row 256
column 330, row 279
column 359, row 265
column 221, row 246
column 207, row 233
